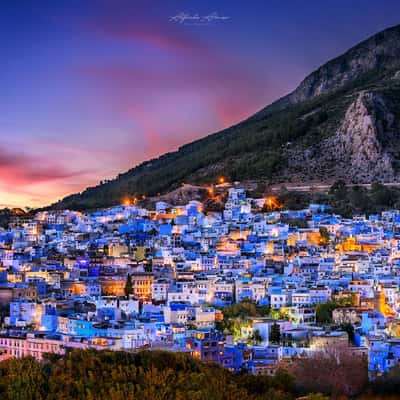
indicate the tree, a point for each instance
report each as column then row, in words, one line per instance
column 22, row 379
column 359, row 199
column 338, row 190
column 128, row 285
column 324, row 310
column 316, row 396
column 282, row 313
column 275, row 334
column 256, row 337
column 387, row 383
column 325, row 238
column 349, row 328
column 382, row 195
column 147, row 375
column 333, row 370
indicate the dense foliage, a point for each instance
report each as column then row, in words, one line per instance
column 237, row 314
column 345, row 200
column 388, row 383
column 147, row 375
column 160, row 375
column 336, row 370
column 324, row 310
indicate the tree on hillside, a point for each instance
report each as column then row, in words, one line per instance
column 338, row 190
column 349, row 328
column 275, row 334
column 325, row 238
column 128, row 285
column 256, row 337
column 324, row 310
column 316, row 396
column 334, row 370
column 145, row 375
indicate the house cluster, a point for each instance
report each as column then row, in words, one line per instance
column 128, row 278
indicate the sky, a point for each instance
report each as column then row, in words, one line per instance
column 90, row 88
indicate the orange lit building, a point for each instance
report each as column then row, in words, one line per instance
column 71, row 288
column 142, row 283
column 113, row 286
column 351, row 244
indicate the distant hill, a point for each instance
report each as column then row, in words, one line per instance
column 6, row 214
column 342, row 122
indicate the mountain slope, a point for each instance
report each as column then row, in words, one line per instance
column 341, row 122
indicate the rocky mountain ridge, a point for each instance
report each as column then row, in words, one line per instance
column 380, row 51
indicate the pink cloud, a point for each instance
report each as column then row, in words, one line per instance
column 159, row 100
column 17, row 169
column 163, row 37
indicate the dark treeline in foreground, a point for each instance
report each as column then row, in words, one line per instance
column 159, row 375
column 147, row 375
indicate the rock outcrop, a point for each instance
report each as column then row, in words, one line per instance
column 361, row 150
column 361, row 139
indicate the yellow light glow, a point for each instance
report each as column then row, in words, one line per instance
column 272, row 203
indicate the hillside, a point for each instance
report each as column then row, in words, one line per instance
column 342, row 122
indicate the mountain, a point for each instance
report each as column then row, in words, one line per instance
column 341, row 122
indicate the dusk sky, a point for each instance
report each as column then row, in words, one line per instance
column 91, row 88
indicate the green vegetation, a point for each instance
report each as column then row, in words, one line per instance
column 128, row 285
column 275, row 335
column 256, row 337
column 350, row 201
column 236, row 315
column 147, row 375
column 245, row 308
column 344, row 200
column 388, row 383
column 325, row 238
column 282, row 313
column 324, row 310
column 5, row 217
column 160, row 375
column 349, row 328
